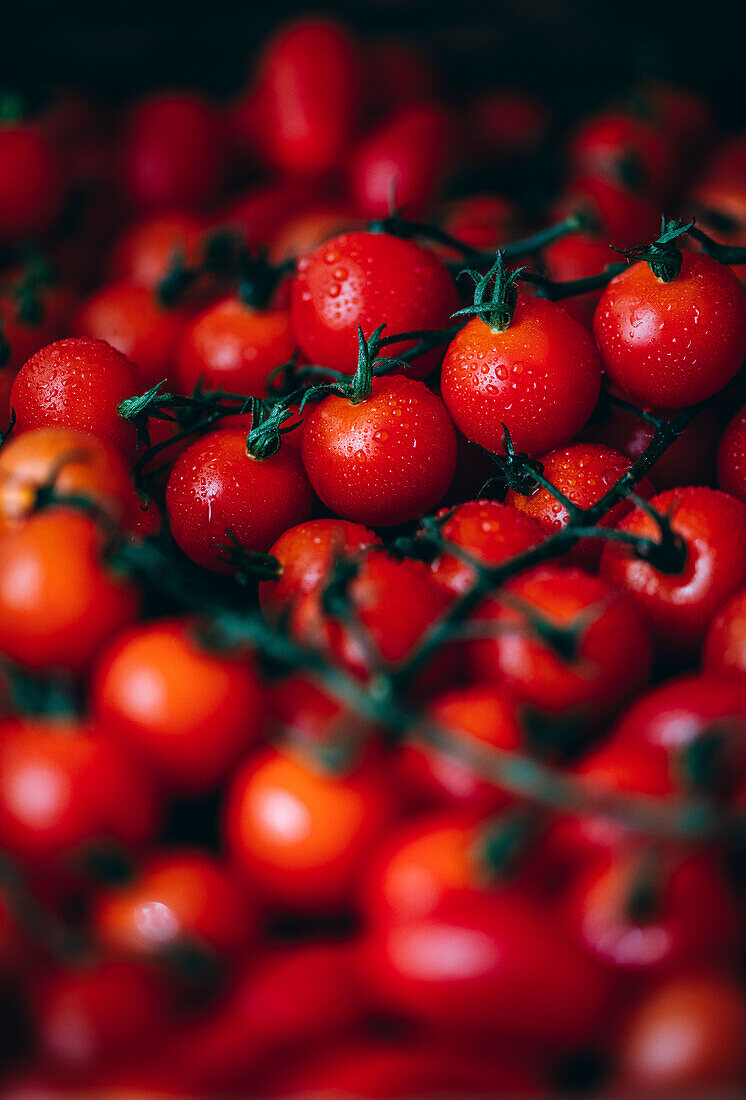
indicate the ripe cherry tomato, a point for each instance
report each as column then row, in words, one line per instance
column 63, row 785
column 308, row 95
column 367, row 280
column 636, row 915
column 23, row 336
column 687, row 1034
column 672, row 343
column 626, row 216
column 148, row 249
column 583, row 472
column 306, row 555
column 490, row 532
column 59, row 602
column 577, row 257
column 731, row 457
column 77, row 383
column 395, row 601
column 233, row 347
column 307, row 231
column 614, row 142
column 173, row 152
column 178, row 899
column 385, row 459
column 721, row 212
column 480, row 715
column 301, row 835
column 725, row 645
column 679, row 606
column 481, row 221
column 201, row 709
column 73, row 462
column 540, row 377
column 129, row 317
column 31, row 183
column 401, row 162
column 217, row 490
column 488, row 965
column 609, row 655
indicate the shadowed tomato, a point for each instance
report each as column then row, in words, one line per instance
column 626, row 215
column 31, row 182
column 731, row 457
column 615, row 142
column 725, row 644
column 147, row 251
column 577, row 257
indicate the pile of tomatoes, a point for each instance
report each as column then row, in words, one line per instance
column 372, row 633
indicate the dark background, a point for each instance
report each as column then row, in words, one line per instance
column 571, row 50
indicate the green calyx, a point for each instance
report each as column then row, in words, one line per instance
column 663, row 256
column 267, row 428
column 495, row 295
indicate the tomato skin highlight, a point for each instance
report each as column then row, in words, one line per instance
column 541, row 378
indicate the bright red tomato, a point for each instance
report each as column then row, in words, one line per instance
column 77, row 383
column 301, row 835
column 725, row 645
column 679, row 606
column 31, row 183
column 217, row 490
column 385, row 459
column 607, row 662
column 366, row 280
column 59, row 602
column 672, row 343
column 731, row 457
column 540, row 377
column 201, row 709
column 613, row 142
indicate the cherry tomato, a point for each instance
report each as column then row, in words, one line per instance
column 217, row 490
column 401, row 162
column 31, row 183
column 173, row 152
column 721, row 212
column 626, row 216
column 148, row 249
column 260, row 213
column 73, row 462
column 64, row 785
column 301, row 835
column 130, row 319
column 614, row 142
column 540, row 377
column 23, row 336
column 308, row 95
column 367, row 280
column 59, row 602
column 687, row 1034
column 678, row 606
column 190, row 713
column 77, row 383
column 731, row 457
column 178, row 898
column 609, row 655
column 676, row 343
column 233, row 347
column 490, row 532
column 583, row 472
column 577, row 257
column 307, row 231
column 306, row 555
column 385, row 459
column 725, row 645
column 481, row 221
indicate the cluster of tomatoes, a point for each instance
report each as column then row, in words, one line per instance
column 372, row 637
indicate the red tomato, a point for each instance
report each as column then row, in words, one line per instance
column 490, row 965
column 305, row 232
column 178, row 898
column 613, row 141
column 231, row 346
column 58, row 600
column 259, row 213
column 583, row 472
column 31, row 183
column 306, row 555
column 676, row 343
column 76, row 463
column 63, row 785
column 577, row 257
column 308, row 95
column 130, row 318
column 190, row 713
column 395, row 601
column 367, row 280
column 401, row 162
column 480, row 716
column 731, row 457
column 652, row 919
column 77, row 383
column 385, row 459
column 721, row 212
column 24, row 339
column 687, row 1034
column 482, row 221
column 678, row 607
column 146, row 252
column 217, row 490
column 487, row 530
column 540, row 377
column 725, row 645
column 300, row 835
column 627, row 217
column 607, row 663
column 173, row 152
